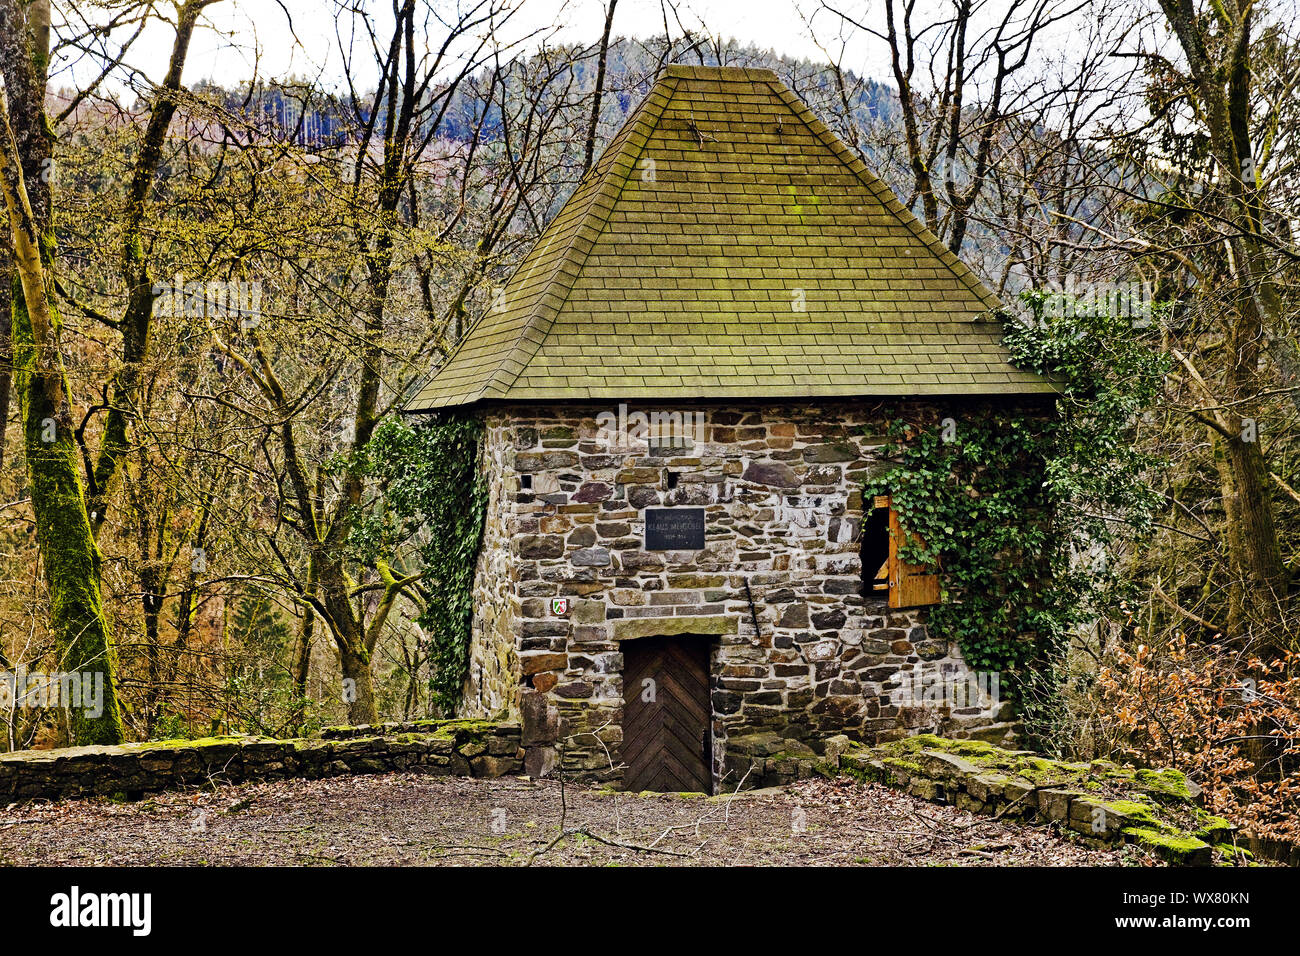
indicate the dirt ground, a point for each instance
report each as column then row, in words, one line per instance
column 414, row 820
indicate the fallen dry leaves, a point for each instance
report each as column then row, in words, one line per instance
column 415, row 819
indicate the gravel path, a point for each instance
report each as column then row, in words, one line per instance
column 413, row 819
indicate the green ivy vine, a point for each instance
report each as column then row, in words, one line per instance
column 1021, row 509
column 435, row 499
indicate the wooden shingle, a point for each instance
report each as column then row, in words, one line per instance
column 727, row 245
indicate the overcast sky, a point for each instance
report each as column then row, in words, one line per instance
column 237, row 32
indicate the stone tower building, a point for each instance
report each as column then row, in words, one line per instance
column 684, row 387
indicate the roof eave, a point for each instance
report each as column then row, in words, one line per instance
column 776, row 395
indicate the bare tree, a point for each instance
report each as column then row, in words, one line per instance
column 965, row 78
column 402, row 290
column 1215, row 164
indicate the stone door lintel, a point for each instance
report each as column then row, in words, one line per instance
column 703, row 626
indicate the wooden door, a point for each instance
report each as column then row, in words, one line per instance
column 666, row 714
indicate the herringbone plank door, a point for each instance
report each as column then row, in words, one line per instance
column 666, row 714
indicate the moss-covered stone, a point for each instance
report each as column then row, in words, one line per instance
column 1229, row 854
column 1180, row 848
column 1100, row 801
column 1214, row 829
column 466, row 747
column 1163, row 784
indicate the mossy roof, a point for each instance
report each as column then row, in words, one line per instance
column 678, row 267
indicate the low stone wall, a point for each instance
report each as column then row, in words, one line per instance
column 469, row 748
column 459, row 725
column 1158, row 810
column 1102, row 802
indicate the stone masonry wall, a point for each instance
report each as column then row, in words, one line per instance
column 777, row 591
column 493, row 680
column 445, row 748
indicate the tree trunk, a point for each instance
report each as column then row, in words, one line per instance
column 68, row 550
column 1219, row 90
column 1236, row 583
column 300, row 665
column 151, row 603
column 358, row 690
column 1259, row 555
column 137, row 321
column 349, row 638
column 6, row 344
column 589, row 153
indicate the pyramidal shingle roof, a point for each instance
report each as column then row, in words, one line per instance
column 728, row 245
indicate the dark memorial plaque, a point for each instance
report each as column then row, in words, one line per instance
column 674, row 529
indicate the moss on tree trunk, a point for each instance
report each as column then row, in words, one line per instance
column 358, row 688
column 68, row 551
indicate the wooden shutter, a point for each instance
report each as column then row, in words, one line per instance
column 910, row 585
